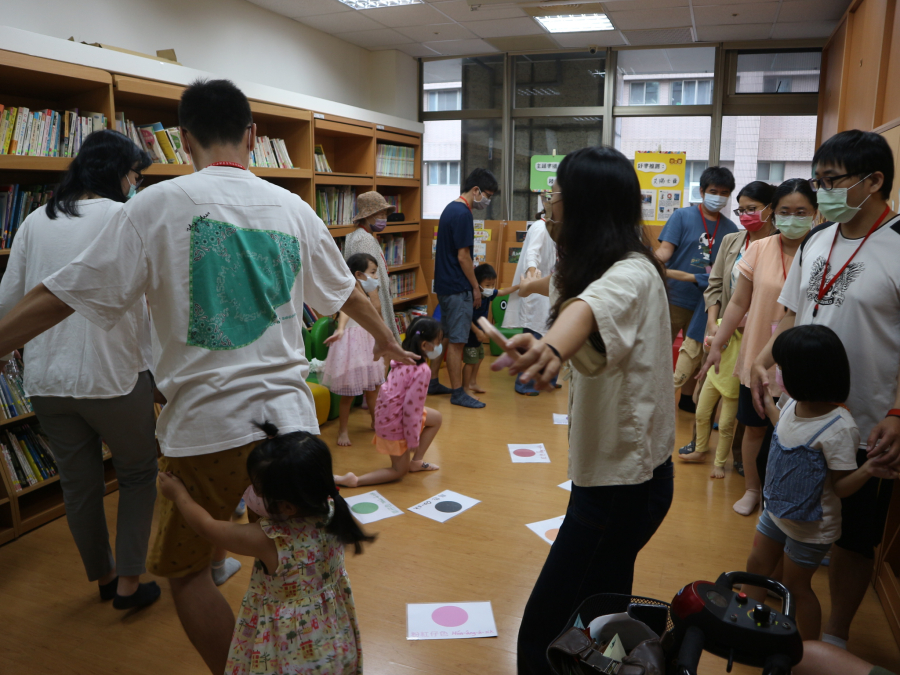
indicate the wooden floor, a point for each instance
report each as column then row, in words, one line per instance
column 54, row 622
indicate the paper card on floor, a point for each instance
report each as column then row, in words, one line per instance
column 442, row 507
column 528, row 452
column 560, row 418
column 566, row 486
column 450, row 621
column 371, row 506
column 547, row 529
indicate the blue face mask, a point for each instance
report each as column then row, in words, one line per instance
column 132, row 190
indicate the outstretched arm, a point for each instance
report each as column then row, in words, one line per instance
column 37, row 312
column 360, row 309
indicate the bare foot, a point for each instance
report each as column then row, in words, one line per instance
column 694, row 457
column 473, row 386
column 717, row 472
column 421, row 465
column 347, row 480
column 344, row 438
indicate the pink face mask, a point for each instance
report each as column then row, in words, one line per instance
column 255, row 503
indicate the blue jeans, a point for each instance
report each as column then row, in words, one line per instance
column 528, row 387
column 604, row 529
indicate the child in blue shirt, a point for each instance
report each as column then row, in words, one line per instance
column 473, row 354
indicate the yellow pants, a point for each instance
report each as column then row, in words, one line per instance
column 706, row 408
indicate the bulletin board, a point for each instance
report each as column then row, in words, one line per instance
column 661, row 175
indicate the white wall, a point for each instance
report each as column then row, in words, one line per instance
column 234, row 39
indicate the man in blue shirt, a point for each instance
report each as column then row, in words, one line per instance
column 454, row 280
column 689, row 243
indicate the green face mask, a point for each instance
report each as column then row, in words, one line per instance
column 833, row 203
column 794, row 227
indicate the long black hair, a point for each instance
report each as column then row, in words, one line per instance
column 105, row 158
column 601, row 219
column 422, row 329
column 296, row 468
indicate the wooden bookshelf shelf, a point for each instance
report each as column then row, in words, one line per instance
column 265, row 172
column 341, row 231
column 323, row 178
column 390, row 181
column 38, row 508
column 4, row 500
column 5, row 251
column 406, row 298
column 19, row 418
column 37, row 486
column 404, row 266
column 398, row 139
column 168, row 170
column 21, row 163
column 329, row 128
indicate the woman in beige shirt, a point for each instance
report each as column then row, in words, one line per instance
column 609, row 317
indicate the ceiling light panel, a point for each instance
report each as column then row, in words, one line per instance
column 575, row 23
column 377, row 4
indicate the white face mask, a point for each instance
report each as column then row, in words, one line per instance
column 369, row 284
column 714, row 203
column 488, row 292
column 794, row 227
column 483, row 204
column 435, row 353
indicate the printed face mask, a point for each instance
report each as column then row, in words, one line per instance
column 435, row 353
column 833, row 204
column 369, row 284
column 714, row 203
column 794, row 227
column 255, row 503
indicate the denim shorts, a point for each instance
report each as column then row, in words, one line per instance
column 801, row 553
column 456, row 316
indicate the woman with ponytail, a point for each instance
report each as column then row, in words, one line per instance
column 298, row 614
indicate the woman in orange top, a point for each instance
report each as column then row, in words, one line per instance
column 763, row 270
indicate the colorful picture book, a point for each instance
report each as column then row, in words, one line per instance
column 403, row 283
column 321, row 160
column 336, row 206
column 27, row 456
column 394, row 248
column 13, row 401
column 397, row 161
column 163, row 145
column 16, row 203
column 270, row 153
column 404, row 318
column 45, row 133
column 514, row 253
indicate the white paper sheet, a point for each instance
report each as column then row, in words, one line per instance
column 566, row 486
column 528, row 452
column 547, row 529
column 442, row 507
column 450, row 621
column 560, row 418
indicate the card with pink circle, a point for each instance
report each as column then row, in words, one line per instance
column 450, row 621
column 547, row 529
column 528, row 452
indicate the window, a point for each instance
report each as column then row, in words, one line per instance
column 692, row 92
column 443, row 99
column 554, row 80
column 682, row 76
column 771, row 172
column 778, row 72
column 644, row 93
column 692, row 173
column 443, row 173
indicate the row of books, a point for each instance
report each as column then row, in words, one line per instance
column 163, row 145
column 321, row 160
column 45, row 133
column 398, row 161
column 403, row 283
column 405, row 317
column 394, row 248
column 270, row 153
column 309, row 316
column 393, row 200
column 16, row 203
column 13, row 401
column 27, row 456
column 336, row 206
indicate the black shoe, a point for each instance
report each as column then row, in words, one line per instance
column 739, row 467
column 687, row 449
column 145, row 595
column 108, row 591
column 687, row 404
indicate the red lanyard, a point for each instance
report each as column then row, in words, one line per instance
column 466, row 203
column 712, row 239
column 823, row 287
column 234, row 165
column 747, row 241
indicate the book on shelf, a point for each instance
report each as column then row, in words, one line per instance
column 45, row 133
column 397, row 161
column 16, row 204
column 520, row 236
column 270, row 153
column 309, row 316
column 394, row 200
column 514, row 253
column 13, row 401
column 27, row 456
column 394, row 248
column 163, row 145
column 403, row 283
column 403, row 318
column 336, row 206
column 321, row 160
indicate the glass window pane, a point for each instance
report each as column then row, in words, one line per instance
column 690, row 92
column 454, row 173
column 551, row 80
column 442, row 176
column 778, row 72
column 783, row 145
column 637, row 93
column 676, row 93
column 466, row 84
column 651, row 93
column 541, row 136
column 663, row 67
column 704, row 92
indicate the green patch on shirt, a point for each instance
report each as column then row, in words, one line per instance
column 238, row 278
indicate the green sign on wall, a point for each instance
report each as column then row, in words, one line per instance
column 543, row 171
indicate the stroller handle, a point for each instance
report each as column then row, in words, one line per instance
column 731, row 578
column 690, row 651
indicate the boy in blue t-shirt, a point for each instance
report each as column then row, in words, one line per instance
column 689, row 243
column 473, row 354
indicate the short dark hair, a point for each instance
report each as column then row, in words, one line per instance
column 422, row 329
column 105, row 158
column 758, row 191
column 483, row 179
column 214, row 111
column 484, row 271
column 813, row 364
column 860, row 153
column 359, row 262
column 792, row 185
column 717, row 175
column 296, row 468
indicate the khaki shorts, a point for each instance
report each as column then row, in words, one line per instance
column 690, row 356
column 473, row 355
column 680, row 319
column 217, row 482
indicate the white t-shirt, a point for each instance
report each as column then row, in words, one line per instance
column 863, row 308
column 226, row 260
column 621, row 417
column 838, row 443
column 538, row 250
column 74, row 358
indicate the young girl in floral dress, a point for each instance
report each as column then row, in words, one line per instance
column 298, row 616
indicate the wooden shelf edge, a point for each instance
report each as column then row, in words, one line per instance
column 396, row 181
column 7, row 535
column 329, row 178
column 343, row 128
column 404, row 266
column 406, row 298
column 26, row 163
column 157, row 169
column 4, row 500
column 4, row 251
column 268, row 172
column 18, row 418
column 37, row 486
column 401, row 227
column 42, row 518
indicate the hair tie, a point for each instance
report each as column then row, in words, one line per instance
column 330, row 510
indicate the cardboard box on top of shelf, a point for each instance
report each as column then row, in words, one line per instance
column 167, row 55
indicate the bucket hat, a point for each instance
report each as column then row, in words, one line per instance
column 369, row 203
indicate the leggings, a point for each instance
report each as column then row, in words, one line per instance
column 706, row 406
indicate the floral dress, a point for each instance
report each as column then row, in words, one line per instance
column 302, row 618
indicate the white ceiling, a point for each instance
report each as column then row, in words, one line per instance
column 454, row 28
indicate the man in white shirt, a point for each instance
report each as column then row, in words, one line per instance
column 226, row 261
column 845, row 277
